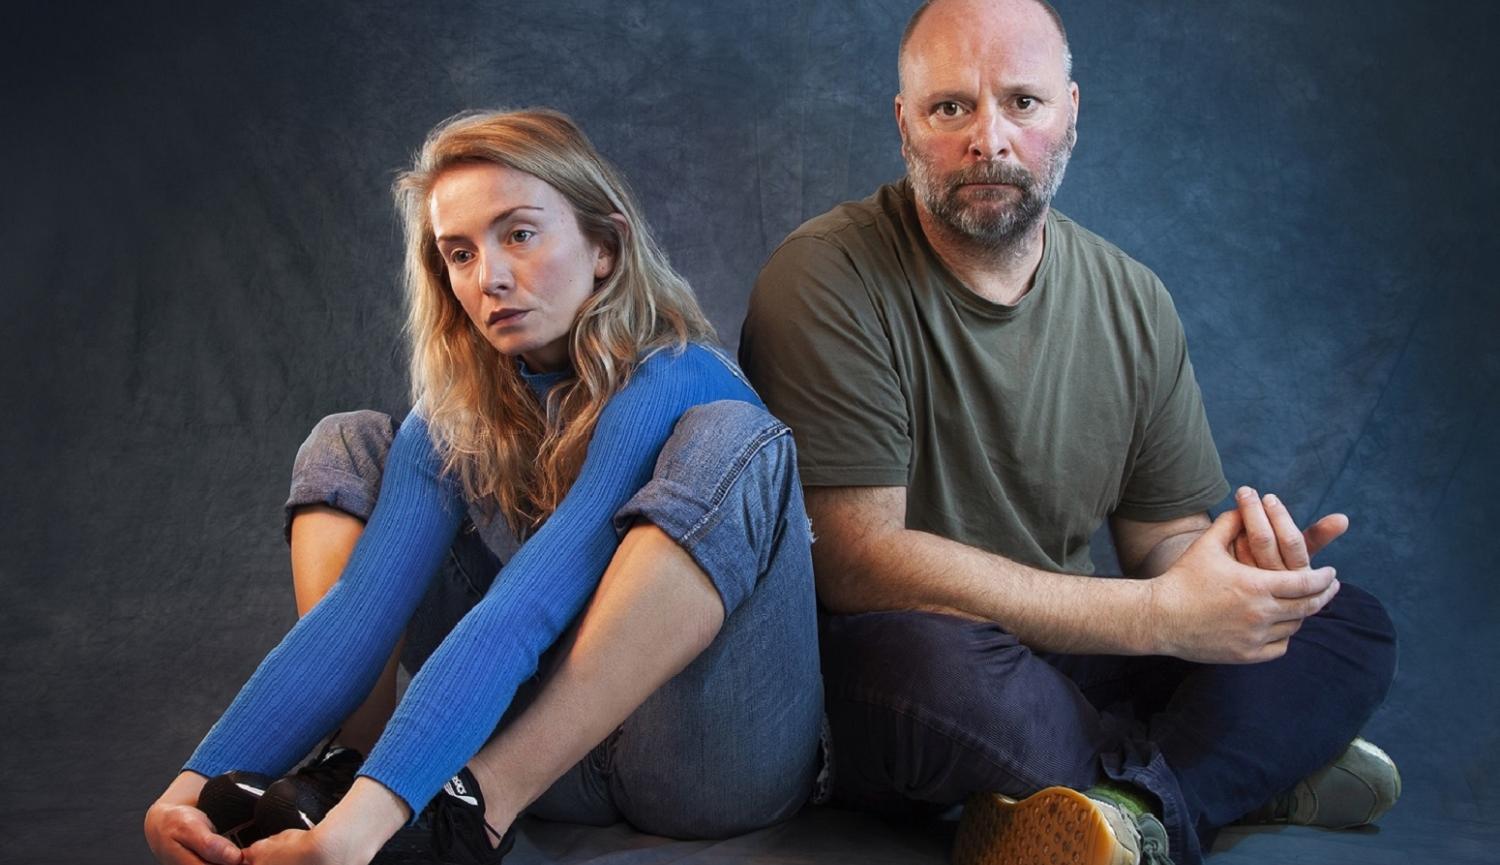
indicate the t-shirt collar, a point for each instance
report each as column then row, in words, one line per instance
column 956, row 288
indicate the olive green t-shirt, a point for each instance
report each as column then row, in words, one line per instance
column 1015, row 429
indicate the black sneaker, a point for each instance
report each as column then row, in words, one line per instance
column 451, row 830
column 229, row 800
column 302, row 799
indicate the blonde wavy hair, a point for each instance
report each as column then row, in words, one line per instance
column 511, row 454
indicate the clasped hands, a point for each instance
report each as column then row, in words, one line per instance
column 1243, row 588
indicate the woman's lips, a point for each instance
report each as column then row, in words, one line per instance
column 506, row 316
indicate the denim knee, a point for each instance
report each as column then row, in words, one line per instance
column 341, row 463
column 730, row 743
column 724, row 486
column 1357, row 628
column 933, row 707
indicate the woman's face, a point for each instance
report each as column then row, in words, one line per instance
column 518, row 262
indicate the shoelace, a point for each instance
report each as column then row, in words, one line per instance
column 1154, row 846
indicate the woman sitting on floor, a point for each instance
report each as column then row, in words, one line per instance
column 564, row 391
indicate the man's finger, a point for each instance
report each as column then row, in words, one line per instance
column 1273, row 650
column 1283, row 631
column 1325, row 596
column 1324, row 532
column 1299, row 609
column 1226, row 527
column 1258, row 529
column 1295, row 585
column 1288, row 537
column 1242, row 552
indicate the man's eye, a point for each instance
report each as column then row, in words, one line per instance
column 521, row 235
column 1025, row 103
column 949, row 109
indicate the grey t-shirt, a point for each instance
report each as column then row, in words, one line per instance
column 1015, row 429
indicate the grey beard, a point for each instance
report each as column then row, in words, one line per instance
column 994, row 229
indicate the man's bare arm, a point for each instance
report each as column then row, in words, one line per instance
column 1204, row 606
column 1148, row 549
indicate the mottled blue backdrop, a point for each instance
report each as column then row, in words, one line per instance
column 200, row 259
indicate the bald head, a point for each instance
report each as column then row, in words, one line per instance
column 957, row 16
column 987, row 112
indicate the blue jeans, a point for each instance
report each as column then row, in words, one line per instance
column 731, row 743
column 927, row 709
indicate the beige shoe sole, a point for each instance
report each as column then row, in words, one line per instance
column 1056, row 826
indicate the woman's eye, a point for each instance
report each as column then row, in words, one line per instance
column 460, row 256
column 521, row 235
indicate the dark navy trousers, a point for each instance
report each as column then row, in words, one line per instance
column 927, row 708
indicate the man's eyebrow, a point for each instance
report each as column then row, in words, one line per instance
column 949, row 95
column 499, row 217
column 1031, row 86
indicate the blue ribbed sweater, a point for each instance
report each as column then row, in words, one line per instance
column 327, row 663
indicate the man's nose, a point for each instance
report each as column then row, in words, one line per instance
column 991, row 134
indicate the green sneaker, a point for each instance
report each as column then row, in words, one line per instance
column 1353, row 790
column 1056, row 825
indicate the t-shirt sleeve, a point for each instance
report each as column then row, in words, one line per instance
column 1176, row 470
column 817, row 350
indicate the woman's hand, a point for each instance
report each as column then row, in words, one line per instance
column 297, row 847
column 179, row 834
column 351, row 834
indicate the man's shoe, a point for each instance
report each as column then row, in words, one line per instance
column 1353, row 790
column 302, row 799
column 1055, row 826
column 229, row 800
column 451, row 830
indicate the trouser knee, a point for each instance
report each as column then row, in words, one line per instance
column 742, row 718
column 1357, row 631
column 931, row 707
column 716, row 445
column 341, row 462
column 725, row 489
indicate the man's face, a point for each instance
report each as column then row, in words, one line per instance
column 987, row 117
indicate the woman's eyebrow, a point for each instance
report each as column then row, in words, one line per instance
column 499, row 217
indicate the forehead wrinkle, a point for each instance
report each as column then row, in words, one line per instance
column 965, row 79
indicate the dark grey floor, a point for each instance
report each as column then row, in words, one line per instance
column 830, row 837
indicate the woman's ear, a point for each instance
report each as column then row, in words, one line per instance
column 606, row 255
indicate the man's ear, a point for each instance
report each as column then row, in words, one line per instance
column 606, row 255
column 900, row 108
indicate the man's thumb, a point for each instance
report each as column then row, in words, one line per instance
column 1225, row 528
